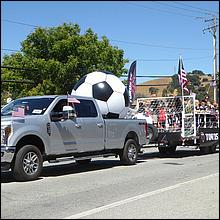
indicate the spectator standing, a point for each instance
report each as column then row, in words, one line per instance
column 162, row 117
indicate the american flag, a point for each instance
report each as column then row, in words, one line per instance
column 213, row 83
column 18, row 112
column 131, row 86
column 71, row 99
column 182, row 76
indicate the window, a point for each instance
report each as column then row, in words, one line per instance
column 32, row 106
column 59, row 106
column 86, row 108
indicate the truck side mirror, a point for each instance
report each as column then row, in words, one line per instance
column 69, row 112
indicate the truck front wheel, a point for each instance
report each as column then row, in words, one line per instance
column 28, row 163
column 129, row 154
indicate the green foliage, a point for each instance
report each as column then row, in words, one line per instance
column 195, row 85
column 153, row 90
column 59, row 57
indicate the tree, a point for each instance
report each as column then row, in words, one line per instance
column 153, row 90
column 193, row 86
column 57, row 58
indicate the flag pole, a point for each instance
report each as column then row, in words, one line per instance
column 183, row 112
column 182, row 95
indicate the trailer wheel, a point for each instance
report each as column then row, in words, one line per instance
column 172, row 149
column 167, row 149
column 163, row 147
column 163, row 150
column 208, row 149
column 129, row 154
column 28, row 163
column 204, row 150
column 212, row 149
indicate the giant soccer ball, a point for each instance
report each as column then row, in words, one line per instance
column 107, row 89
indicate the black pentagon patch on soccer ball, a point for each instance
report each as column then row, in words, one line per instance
column 80, row 82
column 112, row 115
column 102, row 91
column 126, row 97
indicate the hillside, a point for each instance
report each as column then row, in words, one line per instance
column 143, row 88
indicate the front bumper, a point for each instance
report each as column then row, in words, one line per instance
column 7, row 154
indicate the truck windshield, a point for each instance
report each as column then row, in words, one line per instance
column 32, row 106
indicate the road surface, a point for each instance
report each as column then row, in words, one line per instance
column 184, row 185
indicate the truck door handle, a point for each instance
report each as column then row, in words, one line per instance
column 100, row 125
column 77, row 125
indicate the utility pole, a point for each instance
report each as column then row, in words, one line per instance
column 213, row 30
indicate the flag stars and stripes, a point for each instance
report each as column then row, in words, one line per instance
column 182, row 76
column 18, row 112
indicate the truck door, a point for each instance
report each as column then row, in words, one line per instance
column 81, row 134
column 90, row 126
column 65, row 137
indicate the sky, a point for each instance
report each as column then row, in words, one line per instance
column 155, row 33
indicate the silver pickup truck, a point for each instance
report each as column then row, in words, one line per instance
column 49, row 128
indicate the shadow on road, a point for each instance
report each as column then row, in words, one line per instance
column 179, row 153
column 73, row 168
column 68, row 168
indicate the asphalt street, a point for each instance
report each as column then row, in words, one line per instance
column 184, row 185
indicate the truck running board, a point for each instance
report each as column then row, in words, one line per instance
column 81, row 158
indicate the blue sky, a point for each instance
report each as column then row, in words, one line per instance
column 155, row 33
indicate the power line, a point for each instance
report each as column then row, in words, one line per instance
column 160, row 46
column 163, row 84
column 18, row 81
column 164, row 11
column 18, row 68
column 143, row 59
column 21, row 23
column 194, row 7
column 127, row 42
column 162, row 3
column 149, row 76
column 165, row 60
column 10, row 50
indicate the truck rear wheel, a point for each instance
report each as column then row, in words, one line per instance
column 129, row 154
column 28, row 163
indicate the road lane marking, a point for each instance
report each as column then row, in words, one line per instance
column 125, row 201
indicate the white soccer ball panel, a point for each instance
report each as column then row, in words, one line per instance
column 116, row 103
column 110, row 100
column 115, row 83
column 95, row 77
column 84, row 89
column 103, row 107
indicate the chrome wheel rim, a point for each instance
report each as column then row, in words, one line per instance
column 132, row 152
column 30, row 163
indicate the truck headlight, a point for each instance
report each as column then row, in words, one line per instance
column 5, row 133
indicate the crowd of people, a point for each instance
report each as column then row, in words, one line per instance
column 206, row 106
column 165, row 114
